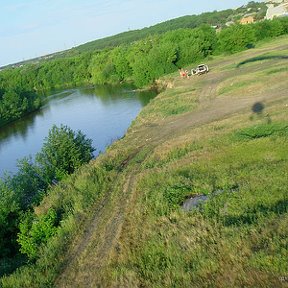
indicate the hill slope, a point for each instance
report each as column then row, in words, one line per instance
column 215, row 18
column 194, row 139
column 222, row 134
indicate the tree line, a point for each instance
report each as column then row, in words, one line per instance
column 141, row 62
column 146, row 60
column 21, row 232
column 23, row 89
column 215, row 18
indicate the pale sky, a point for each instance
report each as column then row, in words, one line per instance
column 34, row 28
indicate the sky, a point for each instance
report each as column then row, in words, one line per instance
column 33, row 28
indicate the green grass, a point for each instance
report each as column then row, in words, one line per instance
column 262, row 130
column 234, row 86
column 233, row 230
column 277, row 70
column 174, row 102
column 238, row 238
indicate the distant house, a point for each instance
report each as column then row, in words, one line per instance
column 275, row 1
column 247, row 20
column 277, row 11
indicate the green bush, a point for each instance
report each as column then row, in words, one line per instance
column 9, row 210
column 236, row 38
column 36, row 231
column 63, row 151
column 268, row 29
column 262, row 130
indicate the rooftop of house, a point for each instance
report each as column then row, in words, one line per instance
column 276, row 11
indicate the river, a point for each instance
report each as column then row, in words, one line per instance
column 103, row 114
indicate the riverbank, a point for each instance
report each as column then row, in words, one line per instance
column 121, row 217
column 103, row 114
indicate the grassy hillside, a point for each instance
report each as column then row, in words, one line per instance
column 215, row 18
column 222, row 134
column 189, row 21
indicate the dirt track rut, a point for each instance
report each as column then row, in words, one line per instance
column 105, row 228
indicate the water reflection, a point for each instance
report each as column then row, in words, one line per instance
column 110, row 93
column 19, row 128
column 103, row 113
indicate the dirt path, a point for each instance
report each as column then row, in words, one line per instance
column 92, row 254
column 79, row 269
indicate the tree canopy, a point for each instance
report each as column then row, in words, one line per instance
column 63, row 151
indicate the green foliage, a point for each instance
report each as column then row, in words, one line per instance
column 195, row 45
column 28, row 183
column 100, row 68
column 9, row 209
column 268, row 29
column 14, row 104
column 243, row 226
column 35, row 232
column 143, row 60
column 45, row 236
column 147, row 60
column 63, row 152
column 22, row 89
column 236, row 38
column 284, row 23
column 138, row 57
column 17, row 194
column 262, row 130
column 122, row 68
column 215, row 18
column 152, row 57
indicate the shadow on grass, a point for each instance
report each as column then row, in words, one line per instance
column 258, row 108
column 261, row 58
column 252, row 215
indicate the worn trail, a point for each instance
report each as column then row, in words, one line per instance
column 91, row 255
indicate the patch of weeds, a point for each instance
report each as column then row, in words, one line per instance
column 182, row 151
column 219, row 127
column 261, row 130
column 236, row 85
column 277, row 70
column 176, row 110
column 140, row 156
column 270, row 262
column 170, row 105
column 174, row 195
column 173, row 155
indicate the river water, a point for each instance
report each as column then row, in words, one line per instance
column 103, row 114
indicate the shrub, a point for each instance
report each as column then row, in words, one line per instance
column 36, row 231
column 63, row 152
column 262, row 130
column 236, row 38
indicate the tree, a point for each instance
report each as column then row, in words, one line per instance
column 63, row 152
column 236, row 38
column 28, row 184
column 268, row 29
column 9, row 210
column 101, row 67
column 122, row 68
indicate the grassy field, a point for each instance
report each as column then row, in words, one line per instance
column 223, row 134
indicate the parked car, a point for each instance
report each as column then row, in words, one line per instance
column 200, row 69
